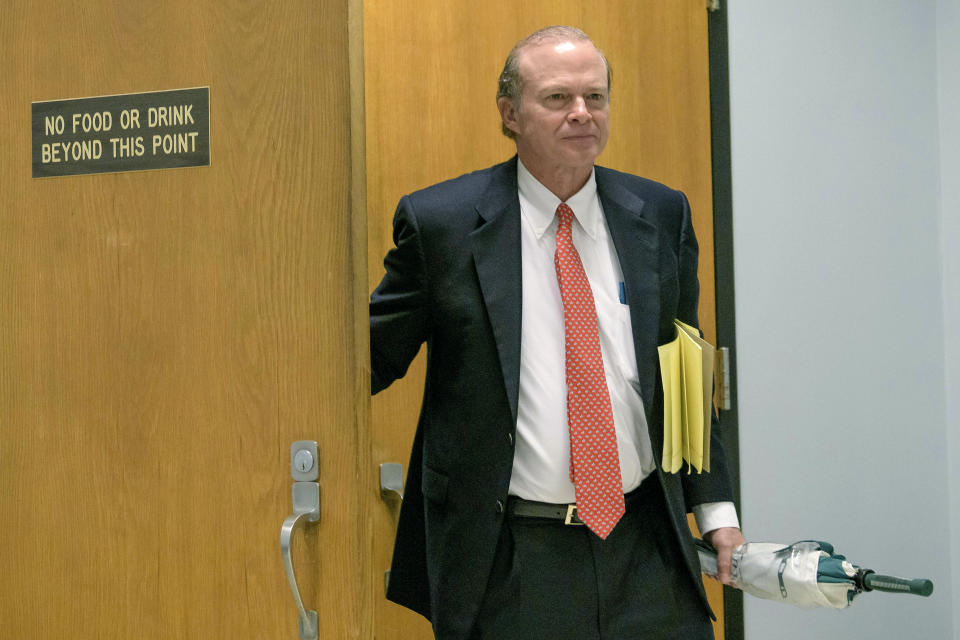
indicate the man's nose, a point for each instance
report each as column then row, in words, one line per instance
column 579, row 111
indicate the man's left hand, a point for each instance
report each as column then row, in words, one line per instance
column 724, row 540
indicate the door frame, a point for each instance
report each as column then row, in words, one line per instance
column 723, row 269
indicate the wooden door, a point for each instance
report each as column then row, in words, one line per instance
column 431, row 72
column 165, row 335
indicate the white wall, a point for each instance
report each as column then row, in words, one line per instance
column 844, row 282
column 948, row 60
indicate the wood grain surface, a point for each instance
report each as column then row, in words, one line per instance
column 165, row 335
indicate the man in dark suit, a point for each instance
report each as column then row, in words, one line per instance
column 541, row 394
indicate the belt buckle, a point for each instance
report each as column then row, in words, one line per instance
column 572, row 517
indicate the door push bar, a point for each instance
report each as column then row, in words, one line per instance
column 306, row 509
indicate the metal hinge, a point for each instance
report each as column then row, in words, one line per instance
column 713, row 5
column 723, row 379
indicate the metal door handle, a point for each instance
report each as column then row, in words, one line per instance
column 391, row 487
column 306, row 508
column 391, row 480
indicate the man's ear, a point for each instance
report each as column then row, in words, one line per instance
column 509, row 114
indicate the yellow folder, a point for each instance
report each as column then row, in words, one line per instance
column 686, row 367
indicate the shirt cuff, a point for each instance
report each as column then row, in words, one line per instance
column 714, row 515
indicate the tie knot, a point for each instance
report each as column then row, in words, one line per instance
column 565, row 214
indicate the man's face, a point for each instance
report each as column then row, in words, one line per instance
column 562, row 121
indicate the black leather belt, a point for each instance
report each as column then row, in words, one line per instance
column 531, row 509
column 568, row 512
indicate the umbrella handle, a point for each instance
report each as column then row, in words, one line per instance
column 891, row 584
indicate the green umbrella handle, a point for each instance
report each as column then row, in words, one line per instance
column 891, row 584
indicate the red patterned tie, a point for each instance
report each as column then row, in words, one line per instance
column 594, row 463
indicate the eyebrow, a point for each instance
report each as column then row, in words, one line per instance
column 565, row 89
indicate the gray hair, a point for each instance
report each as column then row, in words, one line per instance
column 510, row 84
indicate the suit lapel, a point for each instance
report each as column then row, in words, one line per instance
column 496, row 254
column 635, row 239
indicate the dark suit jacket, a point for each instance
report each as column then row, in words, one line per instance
column 453, row 281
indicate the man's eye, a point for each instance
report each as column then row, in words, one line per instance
column 556, row 97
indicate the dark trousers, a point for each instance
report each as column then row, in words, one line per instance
column 558, row 582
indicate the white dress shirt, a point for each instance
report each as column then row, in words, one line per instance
column 541, row 465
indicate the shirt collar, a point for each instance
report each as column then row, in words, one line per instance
column 544, row 203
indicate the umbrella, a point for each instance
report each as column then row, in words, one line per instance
column 806, row 574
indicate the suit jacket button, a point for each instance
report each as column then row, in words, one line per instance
column 499, row 506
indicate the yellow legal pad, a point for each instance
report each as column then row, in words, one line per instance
column 686, row 366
